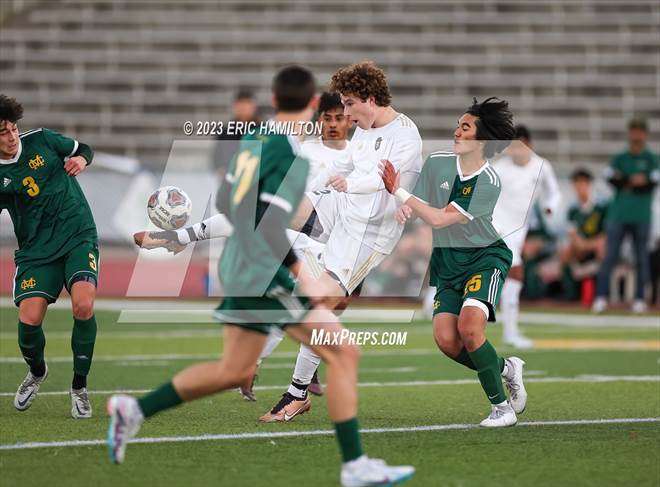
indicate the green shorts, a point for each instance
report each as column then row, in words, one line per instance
column 485, row 286
column 46, row 280
column 277, row 308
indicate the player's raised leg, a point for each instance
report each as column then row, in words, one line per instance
column 241, row 351
column 341, row 376
column 32, row 342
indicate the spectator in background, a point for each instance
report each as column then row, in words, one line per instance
column 633, row 173
column 584, row 250
column 244, row 109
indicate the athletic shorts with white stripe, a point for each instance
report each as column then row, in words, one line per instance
column 484, row 285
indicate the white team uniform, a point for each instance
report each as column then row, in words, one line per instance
column 522, row 186
column 359, row 228
column 321, row 159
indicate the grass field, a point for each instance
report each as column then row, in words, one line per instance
column 421, row 407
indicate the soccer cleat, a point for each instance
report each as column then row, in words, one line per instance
column 600, row 305
column 315, row 386
column 247, row 390
column 80, row 405
column 639, row 307
column 500, row 417
column 125, row 421
column 513, row 381
column 519, row 342
column 365, row 471
column 288, row 408
column 27, row 391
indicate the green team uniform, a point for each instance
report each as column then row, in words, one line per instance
column 589, row 221
column 633, row 206
column 258, row 288
column 57, row 240
column 469, row 260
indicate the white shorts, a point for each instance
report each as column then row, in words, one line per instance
column 347, row 258
column 308, row 251
column 515, row 242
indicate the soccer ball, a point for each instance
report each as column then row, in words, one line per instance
column 169, row 207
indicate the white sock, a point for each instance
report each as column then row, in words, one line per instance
column 306, row 364
column 510, row 305
column 275, row 336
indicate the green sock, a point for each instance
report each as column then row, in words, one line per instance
column 164, row 397
column 488, row 369
column 83, row 338
column 32, row 341
column 463, row 358
column 348, row 436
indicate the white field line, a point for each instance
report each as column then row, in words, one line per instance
column 210, row 356
column 289, row 434
column 175, row 310
column 414, row 383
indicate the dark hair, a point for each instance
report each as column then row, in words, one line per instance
column 362, row 80
column 522, row 132
column 10, row 110
column 330, row 101
column 494, row 124
column 293, row 87
column 582, row 173
column 243, row 94
column 638, row 122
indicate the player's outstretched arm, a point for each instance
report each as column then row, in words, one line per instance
column 436, row 217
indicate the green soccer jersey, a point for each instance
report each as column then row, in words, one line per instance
column 588, row 221
column 264, row 169
column 47, row 206
column 633, row 206
column 462, row 249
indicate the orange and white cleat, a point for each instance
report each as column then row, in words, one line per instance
column 286, row 409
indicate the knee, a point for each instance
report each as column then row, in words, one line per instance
column 228, row 377
column 348, row 354
column 449, row 344
column 31, row 314
column 83, row 308
column 470, row 334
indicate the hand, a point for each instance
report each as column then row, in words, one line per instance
column 403, row 214
column 154, row 240
column 75, row 165
column 390, row 176
column 338, row 183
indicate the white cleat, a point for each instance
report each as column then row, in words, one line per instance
column 125, row 421
column 519, row 342
column 27, row 391
column 639, row 307
column 365, row 471
column 500, row 417
column 599, row 306
column 80, row 405
column 513, row 380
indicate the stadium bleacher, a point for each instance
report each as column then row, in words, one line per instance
column 109, row 71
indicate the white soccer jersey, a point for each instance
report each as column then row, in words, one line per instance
column 522, row 186
column 324, row 162
column 367, row 209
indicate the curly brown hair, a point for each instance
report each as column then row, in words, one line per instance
column 10, row 110
column 363, row 80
